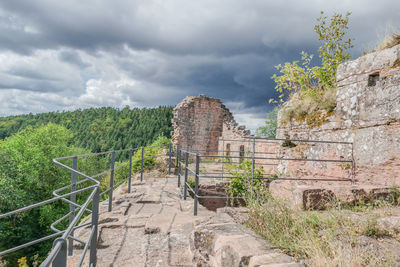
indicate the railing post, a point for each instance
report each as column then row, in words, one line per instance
column 130, row 170
column 178, row 147
column 110, row 194
column 61, row 259
column 72, row 207
column 352, row 164
column 170, row 158
column 223, row 157
column 253, row 164
column 186, row 175
column 196, row 185
column 179, row 168
column 141, row 165
column 95, row 221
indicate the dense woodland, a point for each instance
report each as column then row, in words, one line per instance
column 27, row 174
column 100, row 129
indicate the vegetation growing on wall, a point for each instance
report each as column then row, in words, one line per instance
column 389, row 41
column 311, row 90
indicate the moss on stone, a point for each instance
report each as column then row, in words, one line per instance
column 313, row 119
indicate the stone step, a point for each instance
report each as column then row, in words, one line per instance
column 309, row 197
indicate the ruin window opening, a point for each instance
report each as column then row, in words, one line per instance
column 228, row 149
column 241, row 153
column 373, row 79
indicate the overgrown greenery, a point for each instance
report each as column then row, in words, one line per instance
column 28, row 175
column 241, row 187
column 100, row 129
column 327, row 238
column 149, row 161
column 312, row 89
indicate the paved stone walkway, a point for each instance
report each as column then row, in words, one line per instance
column 153, row 226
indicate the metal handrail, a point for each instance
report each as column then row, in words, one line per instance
column 58, row 255
column 254, row 155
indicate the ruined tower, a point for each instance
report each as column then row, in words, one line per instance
column 200, row 120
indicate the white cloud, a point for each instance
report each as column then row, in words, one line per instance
column 58, row 55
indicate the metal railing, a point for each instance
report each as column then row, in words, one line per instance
column 189, row 164
column 64, row 239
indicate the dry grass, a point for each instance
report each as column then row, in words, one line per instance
column 331, row 238
column 388, row 42
column 311, row 106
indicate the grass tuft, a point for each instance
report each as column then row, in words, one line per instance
column 311, row 106
column 330, row 238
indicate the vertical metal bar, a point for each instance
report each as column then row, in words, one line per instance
column 196, row 185
column 170, row 158
column 186, row 175
column 110, row 193
column 61, row 258
column 72, row 207
column 95, row 221
column 253, row 164
column 130, row 171
column 352, row 165
column 223, row 156
column 178, row 147
column 141, row 165
column 179, row 167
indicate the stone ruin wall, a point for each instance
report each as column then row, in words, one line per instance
column 200, row 121
column 367, row 114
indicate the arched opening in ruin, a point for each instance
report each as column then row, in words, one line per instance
column 241, row 153
column 228, row 150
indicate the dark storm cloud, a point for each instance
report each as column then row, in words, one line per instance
column 72, row 57
column 145, row 53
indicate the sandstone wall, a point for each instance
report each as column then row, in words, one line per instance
column 199, row 121
column 367, row 114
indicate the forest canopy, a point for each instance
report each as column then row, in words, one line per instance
column 100, row 129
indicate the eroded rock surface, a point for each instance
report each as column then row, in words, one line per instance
column 153, row 226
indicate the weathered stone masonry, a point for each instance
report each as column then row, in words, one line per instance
column 367, row 114
column 199, row 121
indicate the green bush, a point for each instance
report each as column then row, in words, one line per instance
column 241, row 187
column 149, row 161
column 28, row 175
column 312, row 89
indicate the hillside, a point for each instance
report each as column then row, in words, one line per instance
column 100, row 129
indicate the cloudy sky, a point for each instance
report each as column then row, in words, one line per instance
column 64, row 55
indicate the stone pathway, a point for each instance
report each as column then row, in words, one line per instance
column 153, row 226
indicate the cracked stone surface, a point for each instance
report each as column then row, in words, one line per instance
column 153, row 226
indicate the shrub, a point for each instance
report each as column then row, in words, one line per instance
column 241, row 187
column 313, row 89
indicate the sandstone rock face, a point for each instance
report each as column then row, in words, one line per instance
column 200, row 120
column 153, row 226
column 367, row 114
column 219, row 241
column 312, row 197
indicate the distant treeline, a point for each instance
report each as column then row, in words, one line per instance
column 100, row 129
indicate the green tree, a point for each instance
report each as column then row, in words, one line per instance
column 269, row 129
column 27, row 176
column 300, row 76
